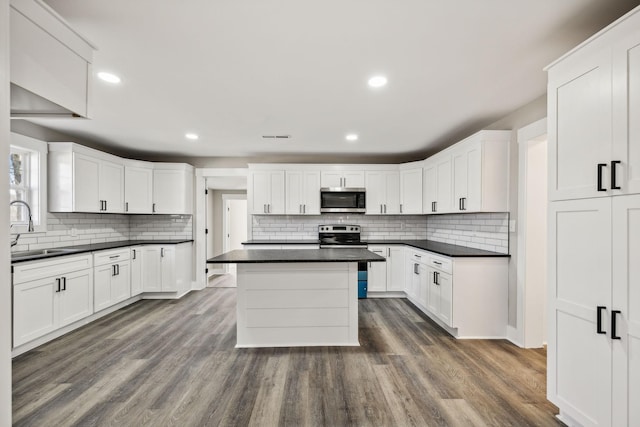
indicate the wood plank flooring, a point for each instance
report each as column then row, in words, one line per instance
column 173, row 363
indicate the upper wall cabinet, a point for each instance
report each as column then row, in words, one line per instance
column 172, row 188
column 411, row 190
column 138, row 187
column 437, row 184
column 84, row 180
column 383, row 192
column 342, row 178
column 50, row 63
column 593, row 95
column 302, row 192
column 481, row 172
column 267, row 192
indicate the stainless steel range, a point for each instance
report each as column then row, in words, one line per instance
column 340, row 236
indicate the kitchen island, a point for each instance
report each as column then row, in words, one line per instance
column 290, row 298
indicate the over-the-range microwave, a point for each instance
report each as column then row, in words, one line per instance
column 342, row 200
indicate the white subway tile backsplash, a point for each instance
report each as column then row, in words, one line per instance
column 487, row 231
column 72, row 229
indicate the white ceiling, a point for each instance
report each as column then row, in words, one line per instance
column 234, row 70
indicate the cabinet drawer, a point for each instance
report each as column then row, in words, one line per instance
column 35, row 270
column 111, row 256
column 417, row 256
column 439, row 263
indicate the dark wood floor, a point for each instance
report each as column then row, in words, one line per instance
column 173, row 363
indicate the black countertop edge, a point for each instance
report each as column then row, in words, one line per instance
column 440, row 248
column 426, row 245
column 281, row 242
column 248, row 256
column 94, row 247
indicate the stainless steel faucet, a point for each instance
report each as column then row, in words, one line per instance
column 30, row 228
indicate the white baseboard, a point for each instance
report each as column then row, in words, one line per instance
column 512, row 335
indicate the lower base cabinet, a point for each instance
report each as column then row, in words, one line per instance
column 386, row 276
column 43, row 302
column 166, row 268
column 466, row 295
column 112, row 278
column 136, row 270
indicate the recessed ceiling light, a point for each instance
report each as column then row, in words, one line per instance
column 377, row 81
column 191, row 136
column 108, row 77
column 351, row 137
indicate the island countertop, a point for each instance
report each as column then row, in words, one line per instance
column 294, row 255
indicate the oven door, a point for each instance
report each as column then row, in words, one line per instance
column 342, row 200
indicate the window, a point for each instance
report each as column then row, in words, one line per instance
column 27, row 172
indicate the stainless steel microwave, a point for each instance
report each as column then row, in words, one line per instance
column 342, row 200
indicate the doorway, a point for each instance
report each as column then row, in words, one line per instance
column 532, row 235
column 234, row 226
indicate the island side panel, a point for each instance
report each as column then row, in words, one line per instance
column 297, row 304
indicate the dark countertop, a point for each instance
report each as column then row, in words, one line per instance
column 293, row 255
column 74, row 250
column 282, row 242
column 427, row 245
column 440, row 248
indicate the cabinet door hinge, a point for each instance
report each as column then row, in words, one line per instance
column 206, row 191
column 206, row 270
column 206, row 231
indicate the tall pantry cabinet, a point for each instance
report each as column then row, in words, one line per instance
column 594, row 224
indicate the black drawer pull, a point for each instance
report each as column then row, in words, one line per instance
column 614, row 335
column 599, row 320
column 614, row 163
column 600, row 167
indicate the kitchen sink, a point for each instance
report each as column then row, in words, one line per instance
column 39, row 252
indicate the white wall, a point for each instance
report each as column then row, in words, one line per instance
column 215, row 210
column 5, row 279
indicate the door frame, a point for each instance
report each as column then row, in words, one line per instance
column 200, row 219
column 534, row 132
column 225, row 221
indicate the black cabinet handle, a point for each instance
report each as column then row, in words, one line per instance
column 64, row 283
column 58, row 285
column 600, row 167
column 464, row 203
column 126, row 206
column 614, row 163
column 118, row 265
column 599, row 321
column 134, row 253
column 162, row 252
column 460, row 203
column 614, row 314
column 415, row 269
column 113, row 270
column 153, row 208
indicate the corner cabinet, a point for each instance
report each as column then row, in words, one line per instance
column 437, row 184
column 594, row 227
column 138, row 187
column 81, row 179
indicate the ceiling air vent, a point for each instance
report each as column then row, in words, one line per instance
column 276, row 136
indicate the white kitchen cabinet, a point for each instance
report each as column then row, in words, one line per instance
column 383, row 192
column 167, row 268
column 172, row 188
column 480, row 172
column 136, row 270
column 138, row 187
column 594, row 229
column 438, row 184
column 386, row 276
column 81, row 179
column 411, row 191
column 342, row 178
column 50, row 63
column 302, row 192
column 440, row 288
column 50, row 294
column 112, row 277
column 267, row 192
column 467, row 296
